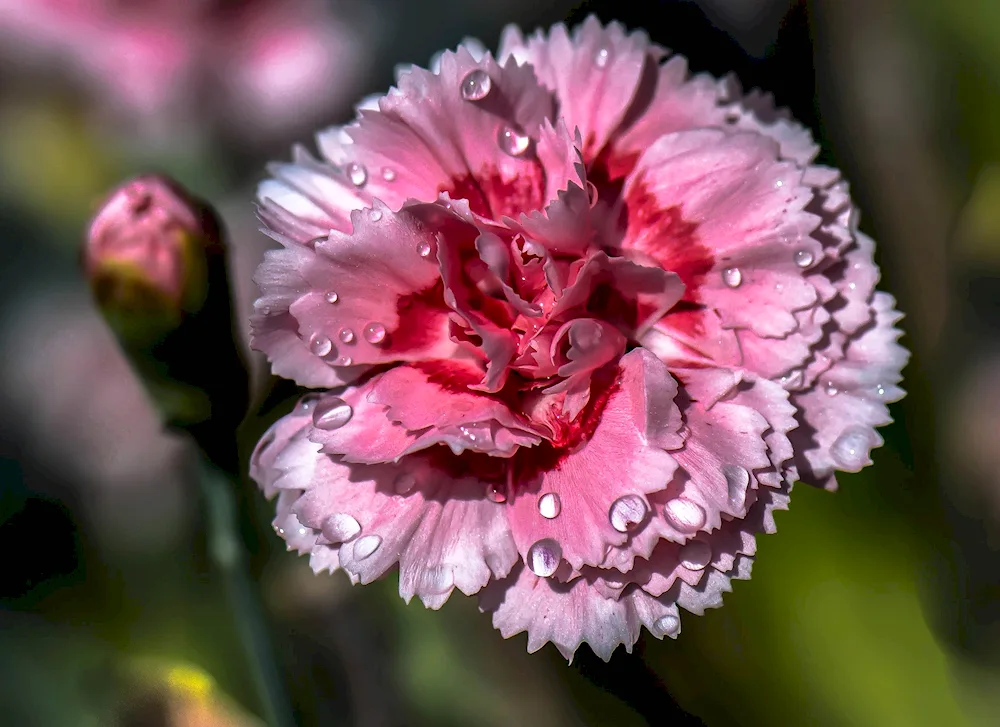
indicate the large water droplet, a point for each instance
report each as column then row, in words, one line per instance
column 365, row 546
column 695, row 555
column 357, row 174
column 374, row 215
column 732, row 277
column 346, row 335
column 513, row 141
column 627, row 512
column 668, row 625
column 388, row 174
column 496, row 492
column 549, row 505
column 543, row 557
column 343, row 361
column 332, row 413
column 685, row 515
column 320, row 345
column 374, row 332
column 404, row 483
column 476, row 85
column 601, row 57
column 424, row 249
column 331, row 296
column 341, row 527
column 850, row 449
column 737, row 481
column 803, row 258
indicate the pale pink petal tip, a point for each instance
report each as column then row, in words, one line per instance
column 579, row 320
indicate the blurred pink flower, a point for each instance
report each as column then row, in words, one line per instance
column 246, row 64
column 624, row 299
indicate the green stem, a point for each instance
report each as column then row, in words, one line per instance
column 226, row 549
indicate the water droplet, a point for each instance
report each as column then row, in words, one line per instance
column 388, row 174
column 343, row 361
column 404, row 483
column 627, row 512
column 880, row 390
column 332, row 413
column 374, row 332
column 374, row 215
column 476, row 85
column 831, row 389
column 357, row 174
column 850, row 449
column 792, row 378
column 340, row 528
column 852, row 286
column 737, row 481
column 696, row 554
column 331, row 296
column 601, row 57
column 424, row 249
column 513, row 141
column 306, row 403
column 803, row 258
column 732, row 277
column 685, row 515
column 779, row 184
column 346, row 335
column 495, row 492
column 320, row 345
column 668, row 625
column 549, row 505
column 365, row 546
column 544, row 557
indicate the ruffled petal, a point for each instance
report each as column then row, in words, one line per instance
column 589, row 498
column 838, row 415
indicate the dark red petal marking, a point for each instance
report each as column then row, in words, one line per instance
column 490, row 196
column 422, row 317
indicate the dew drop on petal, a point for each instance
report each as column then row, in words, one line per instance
column 513, row 141
column 496, row 492
column 627, row 512
column 306, row 403
column 332, row 413
column 601, row 57
column 357, row 174
column 346, row 335
column 374, row 215
column 850, row 449
column 476, row 85
column 668, row 625
column 404, row 483
column 424, row 249
column 549, row 505
column 737, row 481
column 685, row 515
column 803, row 258
column 343, row 361
column 331, row 296
column 320, row 345
column 732, row 277
column 388, row 174
column 879, row 390
column 341, row 527
column 374, row 332
column 544, row 557
column 831, row 389
column 365, row 546
column 695, row 555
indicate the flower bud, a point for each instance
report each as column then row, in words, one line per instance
column 147, row 255
column 155, row 260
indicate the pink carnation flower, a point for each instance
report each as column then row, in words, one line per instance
column 582, row 319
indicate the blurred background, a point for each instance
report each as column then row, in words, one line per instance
column 878, row 605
